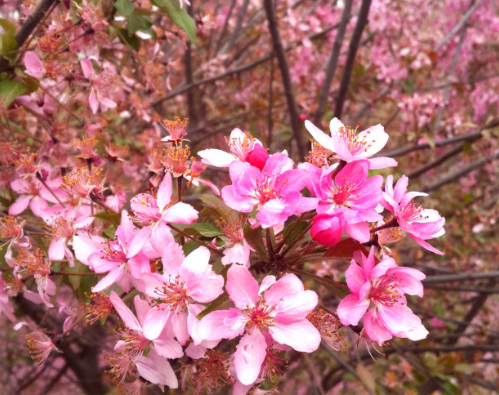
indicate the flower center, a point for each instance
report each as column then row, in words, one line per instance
column 260, row 316
column 356, row 144
column 173, row 294
column 385, row 291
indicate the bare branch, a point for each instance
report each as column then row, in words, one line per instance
column 286, row 77
column 333, row 62
column 352, row 53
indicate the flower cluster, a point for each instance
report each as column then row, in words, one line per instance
column 228, row 273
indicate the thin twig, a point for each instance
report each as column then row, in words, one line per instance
column 282, row 61
column 333, row 62
column 362, row 19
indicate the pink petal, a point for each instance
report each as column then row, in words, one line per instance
column 221, row 324
column 351, row 309
column 138, row 241
column 358, row 231
column 165, row 191
column 248, row 358
column 296, row 307
column 168, row 347
column 216, row 157
column 375, row 137
column 141, row 308
column 180, row 213
column 382, row 163
column 179, row 321
column 302, row 335
column 355, row 277
column 87, row 68
column 287, row 285
column 426, row 245
column 157, row 370
column 125, row 313
column 203, row 283
column 92, row 100
column 319, row 136
column 84, row 245
column 19, row 205
column 243, row 204
column 56, row 249
column 241, row 287
column 112, row 277
column 160, row 237
column 34, row 65
column 375, row 329
column 99, row 264
column 155, row 321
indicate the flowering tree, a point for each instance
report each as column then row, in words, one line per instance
column 142, row 250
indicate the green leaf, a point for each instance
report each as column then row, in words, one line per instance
column 294, row 230
column 9, row 90
column 216, row 204
column 8, row 26
column 78, row 268
column 124, row 7
column 136, row 23
column 204, row 229
column 178, row 16
column 8, row 43
column 254, row 237
column 223, row 302
column 131, row 40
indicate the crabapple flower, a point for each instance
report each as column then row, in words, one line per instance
column 421, row 224
column 122, row 258
column 327, row 229
column 243, row 147
column 378, row 292
column 40, row 346
column 350, row 146
column 275, row 190
column 161, row 210
column 351, row 195
column 176, row 129
column 276, row 309
column 100, row 83
column 134, row 338
column 185, row 283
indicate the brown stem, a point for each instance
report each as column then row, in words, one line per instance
column 352, row 53
column 286, row 77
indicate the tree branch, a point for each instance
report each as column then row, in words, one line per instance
column 28, row 26
column 352, row 53
column 286, row 77
column 333, row 62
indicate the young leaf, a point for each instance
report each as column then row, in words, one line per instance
column 8, row 26
column 345, row 249
column 254, row 237
column 178, row 16
column 124, row 7
column 9, row 90
column 131, row 40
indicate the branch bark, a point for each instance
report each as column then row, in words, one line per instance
column 362, row 20
column 333, row 62
column 286, row 77
column 27, row 27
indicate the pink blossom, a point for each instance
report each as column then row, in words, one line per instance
column 185, row 283
column 351, row 193
column 276, row 308
column 350, row 146
column 275, row 190
column 379, row 290
column 243, row 147
column 159, row 211
column 100, row 83
column 122, row 258
column 137, row 338
column 421, row 224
